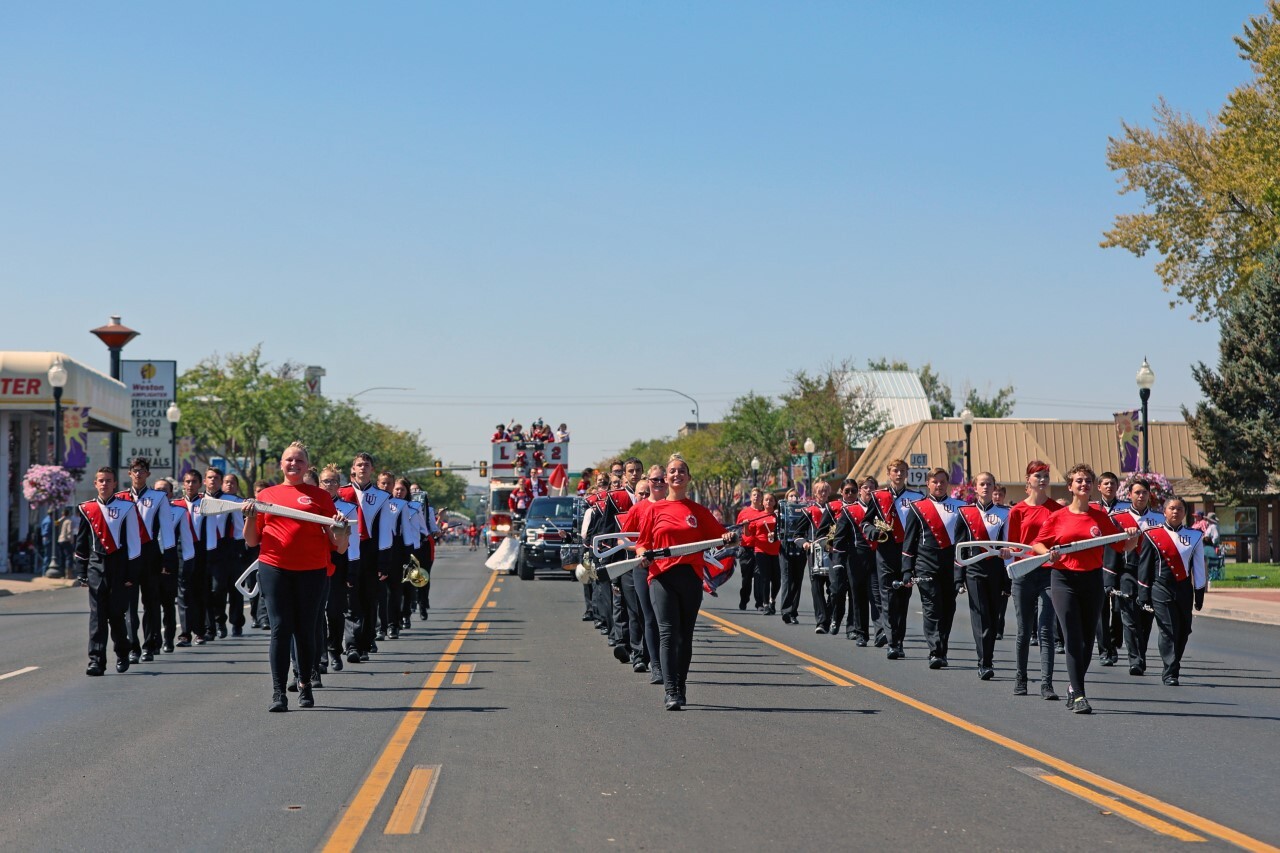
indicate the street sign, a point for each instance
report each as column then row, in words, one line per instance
column 919, row 460
column 917, row 477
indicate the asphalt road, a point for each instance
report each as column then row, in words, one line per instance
column 509, row 726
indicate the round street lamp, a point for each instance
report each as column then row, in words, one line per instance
column 173, row 415
column 1146, row 378
column 115, row 335
column 755, row 471
column 809, row 448
column 966, row 418
column 57, row 381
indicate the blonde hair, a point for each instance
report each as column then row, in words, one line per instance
column 331, row 469
column 298, row 445
column 676, row 457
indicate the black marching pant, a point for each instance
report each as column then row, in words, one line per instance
column 938, row 602
column 362, row 610
column 985, row 588
column 1171, row 601
column 108, row 607
column 820, row 592
column 840, row 596
column 861, row 573
column 768, row 579
column 334, row 609
column 677, row 597
column 602, row 603
column 148, row 590
column 1031, row 595
column 618, row 631
column 894, row 603
column 193, row 586
column 168, row 605
column 792, row 578
column 648, row 618
column 293, row 600
column 1110, row 626
column 219, row 567
column 747, row 562
column 1077, row 597
column 634, row 637
column 1136, row 621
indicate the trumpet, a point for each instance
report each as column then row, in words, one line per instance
column 884, row 529
column 413, row 573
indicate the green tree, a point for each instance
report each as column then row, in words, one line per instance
column 1238, row 424
column 1211, row 192
column 754, row 428
column 826, row 407
column 998, row 406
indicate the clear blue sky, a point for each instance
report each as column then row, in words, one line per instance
column 524, row 209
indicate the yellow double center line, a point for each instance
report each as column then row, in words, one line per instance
column 1168, row 810
column 355, row 818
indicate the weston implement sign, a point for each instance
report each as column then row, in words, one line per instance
column 151, row 386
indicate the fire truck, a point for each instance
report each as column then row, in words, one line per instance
column 541, row 462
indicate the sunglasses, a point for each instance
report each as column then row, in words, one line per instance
column 657, row 479
column 330, row 482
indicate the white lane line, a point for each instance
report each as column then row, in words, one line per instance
column 22, row 671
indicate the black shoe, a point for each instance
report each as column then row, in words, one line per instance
column 183, row 642
column 134, row 657
column 353, row 656
column 639, row 666
column 1019, row 685
column 882, row 641
column 612, row 643
column 769, row 611
column 1106, row 660
column 1059, row 649
column 337, row 662
column 672, row 701
column 587, row 617
column 257, row 624
column 655, row 676
column 322, row 668
column 943, row 659
column 861, row 642
column 742, row 605
column 821, row 629
column 237, row 631
column 209, row 636
column 406, row 623
column 305, row 699
column 147, row 656
column 381, row 635
column 167, row 648
column 200, row 641
column 893, row 653
column 1171, row 680
column 394, row 635
column 620, row 654
column 1135, row 670
column 315, row 680
column 1046, row 692
column 222, row 632
column 1112, row 660
column 364, row 657
column 265, row 626
column 834, row 630
column 122, row 664
column 999, row 636
column 1035, row 641
column 278, row 702
column 986, row 673
column 94, row 668
column 1081, row 706
column 292, row 686
column 423, row 615
column 935, row 662
column 373, row 649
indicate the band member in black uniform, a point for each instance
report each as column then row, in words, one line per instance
column 628, row 618
column 815, row 547
column 330, row 479
column 855, row 558
column 257, row 611
column 390, row 601
column 793, row 526
column 184, row 550
column 839, row 593
column 1171, row 576
column 217, row 541
column 239, row 556
column 929, row 561
column 193, row 578
column 1110, row 626
column 1136, row 620
column 889, row 508
column 367, row 575
column 108, row 546
column 986, row 582
column 158, row 557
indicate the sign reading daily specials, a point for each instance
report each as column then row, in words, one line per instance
column 151, row 386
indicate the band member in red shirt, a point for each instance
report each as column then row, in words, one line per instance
column 746, row 561
column 293, row 562
column 1031, row 591
column 1076, row 584
column 675, row 583
column 765, row 550
column 1171, row 575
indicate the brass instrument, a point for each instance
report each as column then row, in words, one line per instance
column 884, row 528
column 413, row 573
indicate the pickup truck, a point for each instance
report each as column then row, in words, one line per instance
column 549, row 524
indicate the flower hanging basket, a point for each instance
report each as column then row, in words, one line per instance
column 45, row 485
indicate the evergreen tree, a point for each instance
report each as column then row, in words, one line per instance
column 1238, row 425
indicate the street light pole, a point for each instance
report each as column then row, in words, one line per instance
column 264, row 444
column 115, row 336
column 809, row 448
column 58, row 380
column 1146, row 378
column 173, row 415
column 697, row 412
column 966, row 418
column 755, row 472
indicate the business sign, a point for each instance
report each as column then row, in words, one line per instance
column 151, row 386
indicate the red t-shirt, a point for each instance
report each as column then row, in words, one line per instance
column 291, row 544
column 749, row 514
column 1062, row 528
column 677, row 523
column 635, row 516
column 760, row 528
column 1026, row 520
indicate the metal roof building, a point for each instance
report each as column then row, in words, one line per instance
column 897, row 393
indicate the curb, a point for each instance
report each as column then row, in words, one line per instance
column 1243, row 616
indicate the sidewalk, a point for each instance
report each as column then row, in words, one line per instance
column 1244, row 605
column 12, row 584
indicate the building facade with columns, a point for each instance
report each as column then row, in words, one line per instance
column 27, row 428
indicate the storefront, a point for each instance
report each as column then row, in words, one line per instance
column 27, row 433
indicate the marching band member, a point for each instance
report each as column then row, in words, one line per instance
column 765, row 550
column 819, row 559
column 929, row 561
column 1001, row 508
column 257, row 612
column 891, row 507
column 1172, row 575
column 839, row 589
column 427, row 553
column 857, row 559
column 675, row 583
column 157, row 558
column 366, row 575
column 330, row 479
column 1136, row 620
column 628, row 618
column 649, row 491
column 746, row 561
column 239, row 560
column 986, row 582
column 107, row 551
column 218, row 548
column 293, row 563
column 1031, row 591
column 1076, row 584
column 183, row 551
column 793, row 526
column 1110, row 626
column 193, row 577
column 392, row 594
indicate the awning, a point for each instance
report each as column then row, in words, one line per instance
column 24, row 387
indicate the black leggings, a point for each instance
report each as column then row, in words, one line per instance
column 293, row 600
column 677, row 596
column 768, row 580
column 1077, row 598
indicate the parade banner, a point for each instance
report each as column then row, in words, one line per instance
column 186, row 455
column 955, row 461
column 152, row 386
column 1128, row 439
column 75, row 437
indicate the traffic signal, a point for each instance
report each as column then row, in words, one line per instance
column 484, row 469
column 439, row 469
